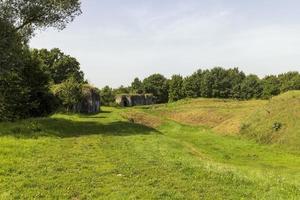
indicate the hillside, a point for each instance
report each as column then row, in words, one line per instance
column 222, row 115
column 277, row 122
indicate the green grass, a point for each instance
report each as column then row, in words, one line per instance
column 223, row 116
column 107, row 157
column 283, row 110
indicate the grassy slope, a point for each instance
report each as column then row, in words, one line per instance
column 254, row 119
column 283, row 109
column 223, row 116
column 107, row 157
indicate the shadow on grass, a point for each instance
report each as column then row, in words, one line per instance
column 63, row 128
column 105, row 111
column 93, row 117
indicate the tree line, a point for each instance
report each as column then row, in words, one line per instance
column 214, row 83
column 35, row 83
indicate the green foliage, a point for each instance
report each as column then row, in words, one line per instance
column 137, row 86
column 251, row 87
column 289, row 81
column 107, row 96
column 175, row 88
column 24, row 90
column 192, row 85
column 215, row 83
column 11, row 48
column 221, row 83
column 218, row 83
column 122, row 90
column 27, row 16
column 157, row 85
column 69, row 93
column 271, row 86
column 234, row 77
column 59, row 66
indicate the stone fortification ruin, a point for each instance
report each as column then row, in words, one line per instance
column 128, row 100
column 90, row 103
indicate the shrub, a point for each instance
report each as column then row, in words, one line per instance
column 277, row 126
column 69, row 93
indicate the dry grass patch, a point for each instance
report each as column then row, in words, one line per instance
column 143, row 118
column 207, row 118
column 223, row 116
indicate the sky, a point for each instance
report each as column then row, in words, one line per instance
column 118, row 40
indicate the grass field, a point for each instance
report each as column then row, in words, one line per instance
column 162, row 152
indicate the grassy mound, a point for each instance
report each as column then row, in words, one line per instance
column 278, row 122
column 223, row 116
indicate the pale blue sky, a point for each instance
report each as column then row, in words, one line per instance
column 118, row 40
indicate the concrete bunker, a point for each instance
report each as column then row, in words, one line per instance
column 90, row 103
column 128, row 100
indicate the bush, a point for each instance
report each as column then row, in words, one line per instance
column 277, row 126
column 69, row 93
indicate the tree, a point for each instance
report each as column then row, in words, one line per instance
column 107, row 96
column 207, row 82
column 69, row 93
column 219, row 81
column 137, row 86
column 11, row 48
column 27, row 16
column 158, row 86
column 23, row 84
column 59, row 66
column 13, row 95
column 289, row 81
column 271, row 86
column 251, row 87
column 175, row 88
column 192, row 85
column 24, row 91
column 235, row 78
column 122, row 90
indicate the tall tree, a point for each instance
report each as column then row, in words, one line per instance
column 137, row 86
column 175, row 88
column 24, row 91
column 289, row 81
column 11, row 47
column 207, row 82
column 22, row 82
column 220, row 83
column 271, row 86
column 235, row 78
column 251, row 87
column 192, row 85
column 59, row 66
column 158, row 86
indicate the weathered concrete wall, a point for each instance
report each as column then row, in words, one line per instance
column 90, row 103
column 128, row 100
